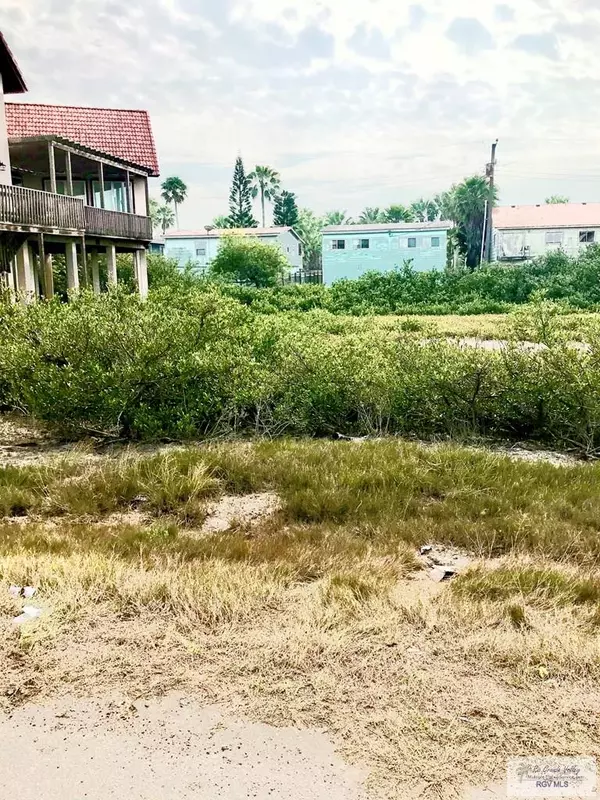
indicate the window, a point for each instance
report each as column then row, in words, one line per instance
column 555, row 237
column 299, row 249
column 362, row 244
column 412, row 242
column 201, row 251
column 586, row 237
column 115, row 197
column 435, row 241
column 61, row 188
column 338, row 244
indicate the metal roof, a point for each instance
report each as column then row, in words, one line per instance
column 550, row 215
column 392, row 227
column 215, row 233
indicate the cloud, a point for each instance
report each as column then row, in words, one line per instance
column 370, row 42
column 470, row 35
column 315, row 89
column 538, row 44
column 504, row 13
column 416, row 17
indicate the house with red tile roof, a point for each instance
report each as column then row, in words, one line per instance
column 524, row 232
column 73, row 181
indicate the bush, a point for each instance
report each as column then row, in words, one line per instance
column 192, row 363
column 249, row 261
column 493, row 289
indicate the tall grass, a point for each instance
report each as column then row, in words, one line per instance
column 382, row 494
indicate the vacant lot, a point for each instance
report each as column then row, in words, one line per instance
column 315, row 608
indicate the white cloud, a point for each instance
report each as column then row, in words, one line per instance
column 355, row 103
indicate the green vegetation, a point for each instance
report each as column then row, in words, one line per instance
column 266, row 182
column 249, row 262
column 240, row 198
column 173, row 190
column 493, row 289
column 285, row 210
column 190, row 363
column 389, row 491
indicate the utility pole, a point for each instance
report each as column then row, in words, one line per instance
column 489, row 222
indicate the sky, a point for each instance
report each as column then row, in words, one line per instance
column 354, row 103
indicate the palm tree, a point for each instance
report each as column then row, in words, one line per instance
column 371, row 215
column 398, row 213
column 445, row 205
column 266, row 182
column 336, row 218
column 174, row 191
column 469, row 200
column 424, row 210
column 164, row 217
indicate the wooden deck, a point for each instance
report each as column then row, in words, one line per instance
column 32, row 210
column 114, row 224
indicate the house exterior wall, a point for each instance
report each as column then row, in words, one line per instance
column 387, row 250
column 201, row 250
column 5, row 175
column 520, row 244
column 140, row 195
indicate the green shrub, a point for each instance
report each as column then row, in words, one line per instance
column 249, row 261
column 189, row 363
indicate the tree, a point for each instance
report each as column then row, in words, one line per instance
column 247, row 260
column 424, row 210
column 370, row 215
column 153, row 205
column 309, row 229
column 469, row 209
column 285, row 211
column 174, row 191
column 164, row 218
column 221, row 222
column 266, row 182
column 240, row 198
column 444, row 202
column 337, row 218
column 398, row 213
column 556, row 199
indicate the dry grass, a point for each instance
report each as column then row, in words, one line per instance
column 321, row 615
column 481, row 326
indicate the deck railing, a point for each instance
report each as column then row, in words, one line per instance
column 20, row 206
column 32, row 208
column 101, row 222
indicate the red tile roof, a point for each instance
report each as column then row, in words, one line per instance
column 550, row 215
column 117, row 132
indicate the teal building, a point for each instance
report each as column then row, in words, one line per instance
column 351, row 250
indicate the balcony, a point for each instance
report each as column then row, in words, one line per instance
column 44, row 212
column 30, row 208
column 117, row 225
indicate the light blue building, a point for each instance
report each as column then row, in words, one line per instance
column 199, row 248
column 351, row 250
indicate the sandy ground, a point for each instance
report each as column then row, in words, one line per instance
column 164, row 749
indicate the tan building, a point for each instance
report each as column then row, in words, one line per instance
column 524, row 232
column 73, row 181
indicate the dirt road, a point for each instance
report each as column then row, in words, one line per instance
column 162, row 750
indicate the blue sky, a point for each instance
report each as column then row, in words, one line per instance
column 355, row 103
